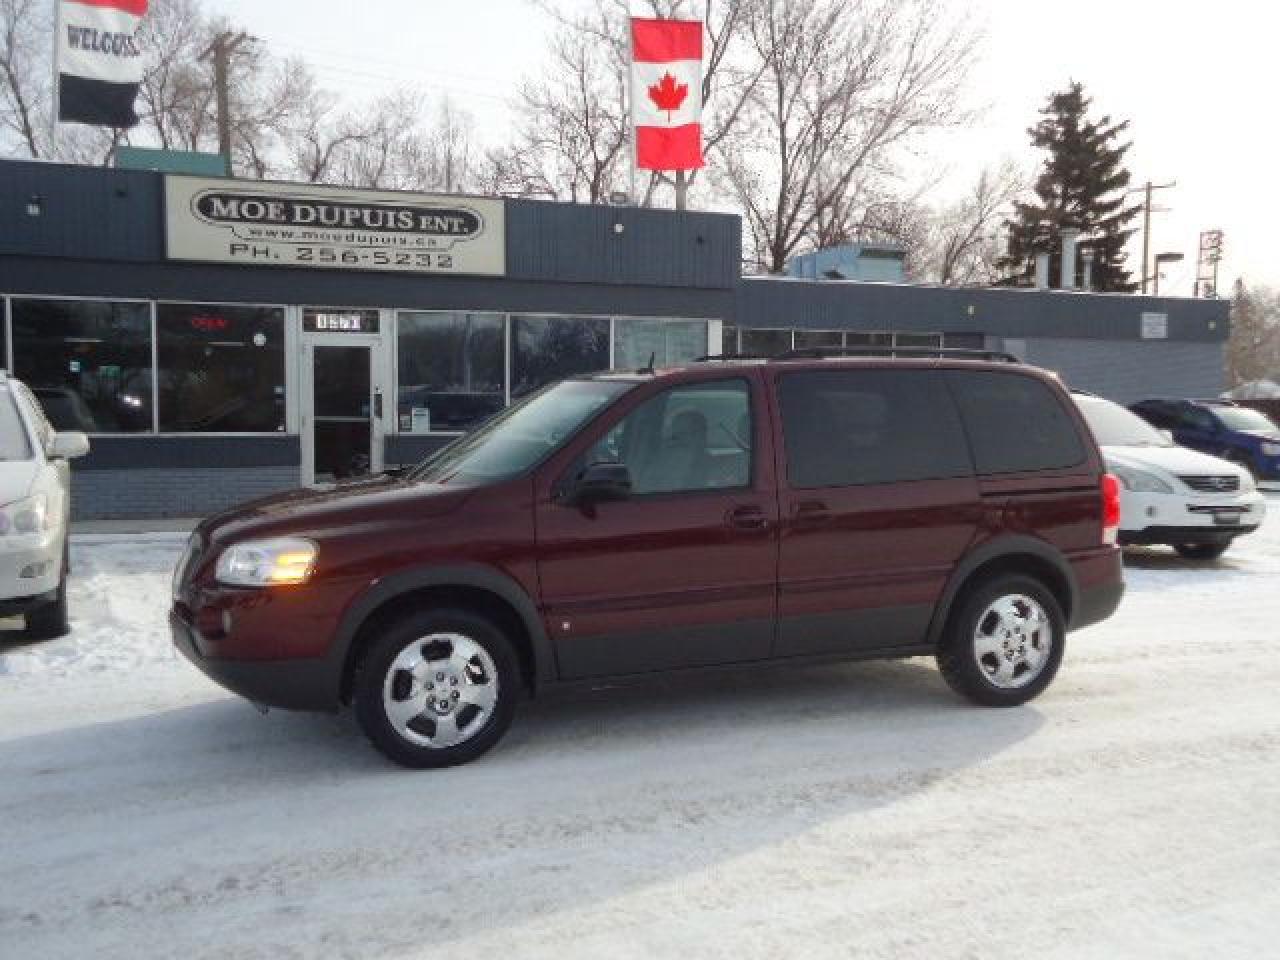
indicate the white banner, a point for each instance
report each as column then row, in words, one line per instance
column 293, row 225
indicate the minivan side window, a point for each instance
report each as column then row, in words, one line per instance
column 1015, row 422
column 686, row 439
column 845, row 428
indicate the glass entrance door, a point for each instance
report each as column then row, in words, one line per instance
column 343, row 412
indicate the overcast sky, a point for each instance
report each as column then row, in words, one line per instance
column 1197, row 80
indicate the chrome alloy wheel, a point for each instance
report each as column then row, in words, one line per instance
column 440, row 690
column 1012, row 641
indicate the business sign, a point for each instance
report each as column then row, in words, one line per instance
column 292, row 225
column 1155, row 326
column 340, row 321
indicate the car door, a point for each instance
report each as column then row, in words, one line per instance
column 683, row 572
column 878, row 501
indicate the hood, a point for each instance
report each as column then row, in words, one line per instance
column 1178, row 461
column 1272, row 435
column 16, row 478
column 311, row 511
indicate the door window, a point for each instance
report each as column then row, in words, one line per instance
column 684, row 439
column 343, row 424
column 849, row 428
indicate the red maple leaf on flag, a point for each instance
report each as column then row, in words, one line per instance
column 667, row 95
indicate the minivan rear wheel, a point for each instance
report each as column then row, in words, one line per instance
column 1004, row 644
column 437, row 688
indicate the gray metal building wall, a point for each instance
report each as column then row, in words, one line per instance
column 1126, row 371
column 171, row 492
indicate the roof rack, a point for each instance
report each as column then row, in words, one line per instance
column 729, row 357
column 957, row 353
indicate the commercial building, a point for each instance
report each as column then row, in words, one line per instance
column 221, row 338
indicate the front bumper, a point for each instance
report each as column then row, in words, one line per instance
column 294, row 684
column 1158, row 518
column 30, row 569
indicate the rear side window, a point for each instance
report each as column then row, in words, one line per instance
column 854, row 427
column 1015, row 423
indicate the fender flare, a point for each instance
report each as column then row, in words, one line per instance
column 994, row 549
column 388, row 588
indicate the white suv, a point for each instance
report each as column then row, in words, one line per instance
column 1191, row 501
column 35, row 504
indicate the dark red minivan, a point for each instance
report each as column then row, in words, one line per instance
column 729, row 512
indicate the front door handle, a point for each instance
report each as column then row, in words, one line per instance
column 748, row 517
column 377, row 405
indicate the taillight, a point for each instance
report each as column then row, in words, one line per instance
column 1110, row 508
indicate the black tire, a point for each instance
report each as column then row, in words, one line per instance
column 957, row 657
column 1202, row 551
column 373, row 680
column 52, row 620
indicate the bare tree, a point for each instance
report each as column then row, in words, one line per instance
column 845, row 83
column 963, row 243
column 24, row 98
column 1253, row 352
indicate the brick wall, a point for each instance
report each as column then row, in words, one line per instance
column 171, row 492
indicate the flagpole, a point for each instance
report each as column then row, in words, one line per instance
column 55, row 100
column 631, row 107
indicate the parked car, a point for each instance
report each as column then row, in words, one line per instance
column 1169, row 494
column 1221, row 428
column 35, row 501
column 623, row 525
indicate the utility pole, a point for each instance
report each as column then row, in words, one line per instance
column 220, row 50
column 1147, row 209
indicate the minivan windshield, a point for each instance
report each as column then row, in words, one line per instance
column 1114, row 426
column 521, row 436
column 1245, row 419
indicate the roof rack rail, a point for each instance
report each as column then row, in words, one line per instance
column 958, row 353
column 725, row 357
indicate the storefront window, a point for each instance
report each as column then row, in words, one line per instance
column 860, row 339
column 221, row 368
column 666, row 342
column 451, row 370
column 544, row 349
column 728, row 339
column 817, row 339
column 87, row 361
column 765, row 343
column 918, row 340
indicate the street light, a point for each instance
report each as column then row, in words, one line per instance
column 1162, row 258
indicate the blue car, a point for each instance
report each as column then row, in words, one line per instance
column 1221, row 428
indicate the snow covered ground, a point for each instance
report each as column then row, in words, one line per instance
column 855, row 811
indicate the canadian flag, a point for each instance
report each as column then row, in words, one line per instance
column 666, row 93
column 99, row 62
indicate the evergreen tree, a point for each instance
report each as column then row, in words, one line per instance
column 1082, row 185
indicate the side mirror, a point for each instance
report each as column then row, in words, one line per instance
column 68, row 445
column 599, row 483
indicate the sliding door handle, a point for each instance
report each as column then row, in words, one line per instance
column 748, row 517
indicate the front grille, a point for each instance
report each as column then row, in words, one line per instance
column 1212, row 484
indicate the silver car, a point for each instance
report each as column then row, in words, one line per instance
column 35, row 506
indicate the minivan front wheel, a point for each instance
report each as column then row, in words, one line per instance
column 1005, row 643
column 437, row 688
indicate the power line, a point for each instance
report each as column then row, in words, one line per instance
column 1147, row 190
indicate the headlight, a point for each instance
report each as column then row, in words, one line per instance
column 1270, row 449
column 31, row 515
column 262, row 563
column 1139, row 481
